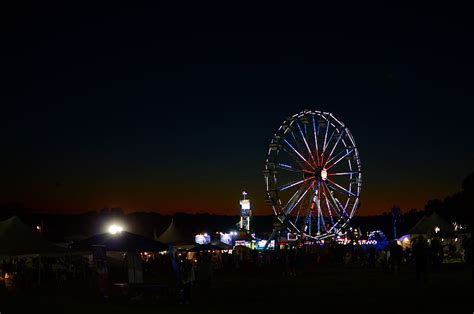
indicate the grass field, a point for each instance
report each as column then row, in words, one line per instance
column 325, row 289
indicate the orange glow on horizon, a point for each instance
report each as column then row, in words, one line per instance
column 218, row 207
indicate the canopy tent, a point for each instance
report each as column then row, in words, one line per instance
column 433, row 224
column 122, row 242
column 16, row 238
column 173, row 236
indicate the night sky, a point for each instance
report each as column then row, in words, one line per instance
column 172, row 108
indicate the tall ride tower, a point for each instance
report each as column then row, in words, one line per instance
column 245, row 213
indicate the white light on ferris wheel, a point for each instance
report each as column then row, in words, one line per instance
column 324, row 174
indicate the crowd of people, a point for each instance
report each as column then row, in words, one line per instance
column 425, row 254
column 181, row 270
column 23, row 274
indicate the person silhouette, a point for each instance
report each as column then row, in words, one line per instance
column 421, row 252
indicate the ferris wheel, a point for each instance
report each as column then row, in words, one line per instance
column 313, row 175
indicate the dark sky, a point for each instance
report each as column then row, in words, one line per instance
column 172, row 108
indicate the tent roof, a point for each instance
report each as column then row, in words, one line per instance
column 122, row 242
column 16, row 238
column 427, row 224
column 173, row 236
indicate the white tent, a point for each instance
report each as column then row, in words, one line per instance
column 433, row 224
column 16, row 238
column 174, row 237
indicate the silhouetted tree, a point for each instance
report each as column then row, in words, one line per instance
column 460, row 206
column 468, row 183
column 456, row 207
column 432, row 206
column 116, row 211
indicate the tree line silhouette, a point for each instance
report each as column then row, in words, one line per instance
column 457, row 207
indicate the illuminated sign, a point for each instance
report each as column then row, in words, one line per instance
column 245, row 204
column 202, row 238
column 243, row 243
column 261, row 244
column 292, row 236
column 226, row 238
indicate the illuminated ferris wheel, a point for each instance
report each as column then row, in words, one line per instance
column 313, row 175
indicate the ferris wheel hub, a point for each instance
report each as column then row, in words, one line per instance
column 324, row 174
column 320, row 173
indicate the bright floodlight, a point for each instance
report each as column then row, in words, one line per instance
column 114, row 229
